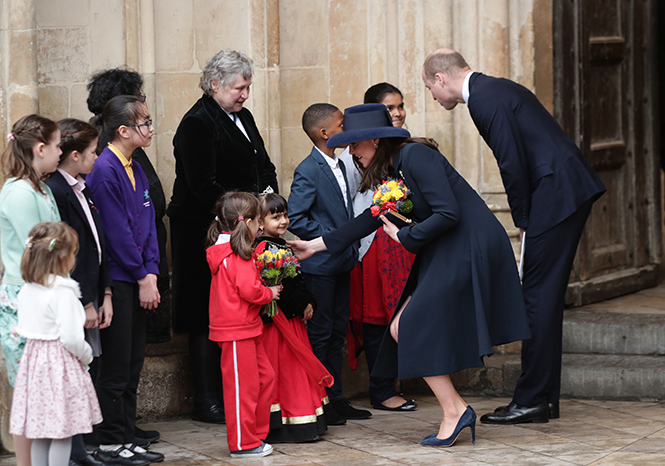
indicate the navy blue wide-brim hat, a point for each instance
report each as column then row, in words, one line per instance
column 366, row 121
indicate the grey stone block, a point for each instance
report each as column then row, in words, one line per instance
column 613, row 333
column 613, row 376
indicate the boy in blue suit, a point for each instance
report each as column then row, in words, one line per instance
column 319, row 203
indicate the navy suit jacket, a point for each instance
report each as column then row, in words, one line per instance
column 316, row 207
column 92, row 277
column 545, row 175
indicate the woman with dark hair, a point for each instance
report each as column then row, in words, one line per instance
column 217, row 148
column 378, row 279
column 463, row 293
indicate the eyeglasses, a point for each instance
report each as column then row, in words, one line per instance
column 147, row 124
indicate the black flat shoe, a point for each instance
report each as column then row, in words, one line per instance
column 213, row 415
column 516, row 414
column 408, row 405
column 553, row 407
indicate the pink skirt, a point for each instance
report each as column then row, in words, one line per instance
column 54, row 396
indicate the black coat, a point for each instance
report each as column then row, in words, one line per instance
column 464, row 287
column 92, row 277
column 545, row 175
column 212, row 156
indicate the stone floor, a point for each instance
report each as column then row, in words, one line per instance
column 588, row 433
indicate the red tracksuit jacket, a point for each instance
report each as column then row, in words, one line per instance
column 236, row 295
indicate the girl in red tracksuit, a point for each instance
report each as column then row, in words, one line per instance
column 236, row 296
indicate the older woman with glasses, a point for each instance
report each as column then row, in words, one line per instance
column 217, row 148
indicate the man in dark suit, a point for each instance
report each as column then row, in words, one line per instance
column 551, row 188
column 320, row 202
column 217, row 148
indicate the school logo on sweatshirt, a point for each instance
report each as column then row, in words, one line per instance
column 146, row 196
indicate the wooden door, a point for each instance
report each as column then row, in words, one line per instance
column 603, row 88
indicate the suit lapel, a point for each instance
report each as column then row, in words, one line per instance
column 224, row 121
column 71, row 197
column 329, row 174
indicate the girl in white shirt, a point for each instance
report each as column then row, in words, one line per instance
column 54, row 398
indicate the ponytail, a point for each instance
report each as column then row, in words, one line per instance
column 232, row 210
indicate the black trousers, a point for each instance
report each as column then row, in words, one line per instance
column 548, row 260
column 119, row 370
column 327, row 329
column 380, row 388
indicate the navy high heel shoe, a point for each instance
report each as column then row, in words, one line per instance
column 468, row 419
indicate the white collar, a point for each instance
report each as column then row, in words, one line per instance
column 76, row 183
column 332, row 161
column 223, row 238
column 465, row 87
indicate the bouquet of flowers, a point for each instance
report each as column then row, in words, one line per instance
column 391, row 199
column 274, row 265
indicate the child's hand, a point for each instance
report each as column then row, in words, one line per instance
column 148, row 295
column 106, row 312
column 309, row 312
column 91, row 317
column 275, row 290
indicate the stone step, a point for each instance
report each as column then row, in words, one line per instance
column 613, row 333
column 613, row 376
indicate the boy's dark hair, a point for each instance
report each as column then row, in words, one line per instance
column 315, row 116
column 106, row 84
column 75, row 135
column 273, row 203
column 376, row 93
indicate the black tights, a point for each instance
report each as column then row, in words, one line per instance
column 204, row 356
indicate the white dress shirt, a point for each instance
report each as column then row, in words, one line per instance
column 465, row 87
column 234, row 117
column 78, row 185
column 337, row 171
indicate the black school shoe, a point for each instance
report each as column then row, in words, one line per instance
column 121, row 456
column 142, row 453
column 344, row 409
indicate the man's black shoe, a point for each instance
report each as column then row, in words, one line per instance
column 149, row 435
column 553, row 407
column 213, row 414
column 344, row 409
column 516, row 414
column 121, row 456
column 332, row 418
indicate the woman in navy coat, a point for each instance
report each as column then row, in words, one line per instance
column 463, row 294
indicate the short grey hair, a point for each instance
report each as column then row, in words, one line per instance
column 224, row 67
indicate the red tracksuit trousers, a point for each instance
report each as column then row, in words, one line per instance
column 247, row 381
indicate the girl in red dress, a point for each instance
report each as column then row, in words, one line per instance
column 299, row 394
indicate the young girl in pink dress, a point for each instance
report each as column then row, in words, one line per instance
column 54, row 398
column 296, row 413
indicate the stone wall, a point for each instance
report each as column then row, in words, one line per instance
column 305, row 51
